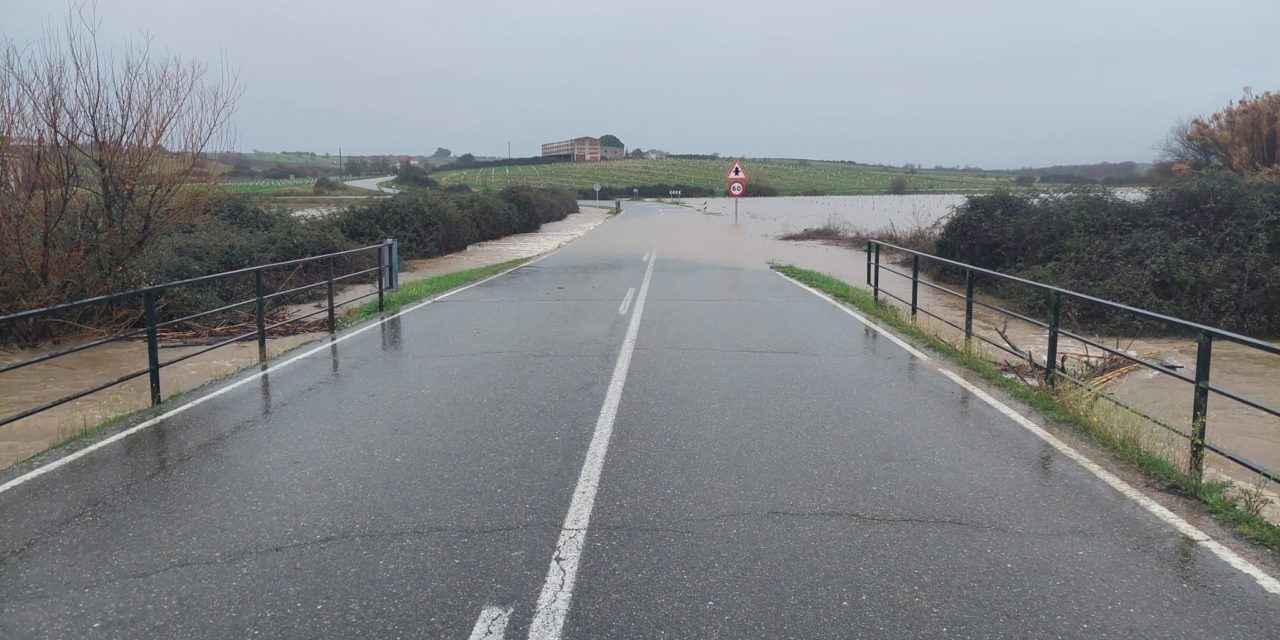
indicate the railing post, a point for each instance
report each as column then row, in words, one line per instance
column 153, row 343
column 868, row 263
column 968, row 305
column 381, row 270
column 875, row 285
column 333, row 325
column 1200, row 405
column 395, row 264
column 915, row 285
column 1051, row 356
column 260, row 310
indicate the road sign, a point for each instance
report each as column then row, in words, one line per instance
column 737, row 188
column 596, row 186
column 736, row 172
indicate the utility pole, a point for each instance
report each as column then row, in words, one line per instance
column 508, row 149
column 339, row 162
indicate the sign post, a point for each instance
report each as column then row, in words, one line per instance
column 737, row 178
column 596, row 186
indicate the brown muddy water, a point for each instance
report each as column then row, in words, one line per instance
column 37, row 384
column 1245, row 372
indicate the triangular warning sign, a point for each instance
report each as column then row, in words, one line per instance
column 736, row 172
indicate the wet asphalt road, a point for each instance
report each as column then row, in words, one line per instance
column 775, row 470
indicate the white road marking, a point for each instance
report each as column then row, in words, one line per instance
column 492, row 623
column 71, row 457
column 1266, row 581
column 557, row 591
column 626, row 301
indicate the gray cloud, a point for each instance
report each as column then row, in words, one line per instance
column 983, row 82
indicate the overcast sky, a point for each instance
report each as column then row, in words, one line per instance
column 999, row 84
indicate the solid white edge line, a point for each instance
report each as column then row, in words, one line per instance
column 626, row 301
column 1265, row 580
column 557, row 591
column 327, row 343
column 492, row 623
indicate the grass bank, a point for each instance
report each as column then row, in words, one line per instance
column 417, row 290
column 1229, row 505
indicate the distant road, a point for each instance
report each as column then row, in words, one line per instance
column 372, row 184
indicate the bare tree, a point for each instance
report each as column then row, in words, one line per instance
column 1243, row 137
column 98, row 154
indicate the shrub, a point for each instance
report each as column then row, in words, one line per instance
column 1204, row 248
column 898, row 185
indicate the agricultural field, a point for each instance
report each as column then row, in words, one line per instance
column 292, row 157
column 789, row 177
column 285, row 187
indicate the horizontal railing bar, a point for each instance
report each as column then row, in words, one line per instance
column 216, row 345
column 81, row 347
column 75, row 396
column 357, row 299
column 23, row 315
column 1186, row 324
column 941, row 288
column 1150, row 365
column 1015, row 314
column 895, row 271
column 1101, row 393
column 356, row 273
column 886, row 292
column 1244, row 462
column 1260, row 407
column 1022, row 357
column 284, row 322
column 295, row 290
column 940, row 319
column 169, row 323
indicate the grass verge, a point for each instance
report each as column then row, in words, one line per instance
column 416, row 290
column 1226, row 504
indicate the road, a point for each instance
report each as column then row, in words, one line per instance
column 645, row 434
column 372, row 184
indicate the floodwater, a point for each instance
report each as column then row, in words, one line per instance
column 45, row 382
column 1237, row 369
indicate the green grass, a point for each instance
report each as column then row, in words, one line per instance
column 1065, row 407
column 790, row 177
column 273, row 157
column 287, row 187
column 416, row 290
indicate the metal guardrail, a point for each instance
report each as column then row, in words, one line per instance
column 387, row 271
column 1207, row 335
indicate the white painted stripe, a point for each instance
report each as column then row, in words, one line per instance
column 1266, row 581
column 557, row 591
column 76, row 455
column 492, row 623
column 626, row 301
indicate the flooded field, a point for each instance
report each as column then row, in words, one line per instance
column 45, row 382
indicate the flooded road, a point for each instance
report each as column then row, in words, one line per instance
column 45, row 382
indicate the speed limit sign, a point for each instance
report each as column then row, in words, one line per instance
column 736, row 188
